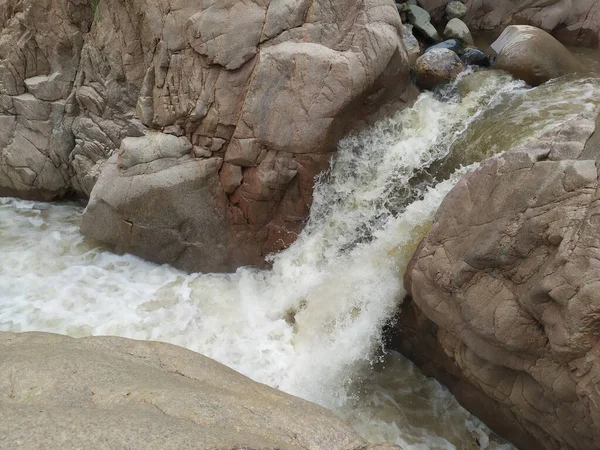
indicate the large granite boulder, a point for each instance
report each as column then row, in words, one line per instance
column 114, row 393
column 573, row 22
column 261, row 90
column 532, row 55
column 505, row 307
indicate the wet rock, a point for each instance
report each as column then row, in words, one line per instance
column 456, row 10
column 420, row 19
column 504, row 291
column 451, row 44
column 113, row 393
column 411, row 44
column 457, row 29
column 474, row 57
column 532, row 55
column 437, row 66
column 231, row 77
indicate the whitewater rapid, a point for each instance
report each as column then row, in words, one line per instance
column 312, row 325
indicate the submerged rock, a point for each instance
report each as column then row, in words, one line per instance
column 421, row 20
column 532, row 55
column 504, row 290
column 457, row 29
column 437, row 66
column 109, row 393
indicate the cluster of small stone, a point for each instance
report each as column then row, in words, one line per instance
column 436, row 57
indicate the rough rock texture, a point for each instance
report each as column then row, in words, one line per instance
column 114, row 393
column 40, row 48
column 532, row 55
column 573, row 22
column 259, row 90
column 437, row 66
column 505, row 291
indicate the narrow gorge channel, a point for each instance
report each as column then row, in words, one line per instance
column 311, row 325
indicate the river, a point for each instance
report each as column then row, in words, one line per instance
column 311, row 325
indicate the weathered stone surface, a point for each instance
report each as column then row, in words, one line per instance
column 532, row 55
column 112, row 393
column 457, row 29
column 40, row 46
column 437, row 66
column 572, row 22
column 261, row 85
column 505, row 284
column 411, row 44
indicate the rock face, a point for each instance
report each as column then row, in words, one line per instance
column 259, row 93
column 572, row 22
column 505, row 291
column 108, row 393
column 437, row 66
column 532, row 55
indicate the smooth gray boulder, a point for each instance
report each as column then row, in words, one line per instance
column 436, row 67
column 457, row 29
column 114, row 393
column 421, row 20
column 532, row 55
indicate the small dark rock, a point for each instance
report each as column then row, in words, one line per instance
column 475, row 57
column 450, row 44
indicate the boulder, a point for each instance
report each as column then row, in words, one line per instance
column 421, row 20
column 39, row 57
column 456, row 10
column 474, row 57
column 411, row 44
column 265, row 87
column 451, row 44
column 505, row 307
column 437, row 66
column 110, row 393
column 532, row 55
column 457, row 29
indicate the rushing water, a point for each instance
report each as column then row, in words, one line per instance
column 312, row 324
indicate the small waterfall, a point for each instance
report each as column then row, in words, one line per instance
column 312, row 325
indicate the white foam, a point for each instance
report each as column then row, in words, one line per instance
column 311, row 325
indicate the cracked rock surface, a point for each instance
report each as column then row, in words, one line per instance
column 505, row 291
column 109, row 393
column 259, row 91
